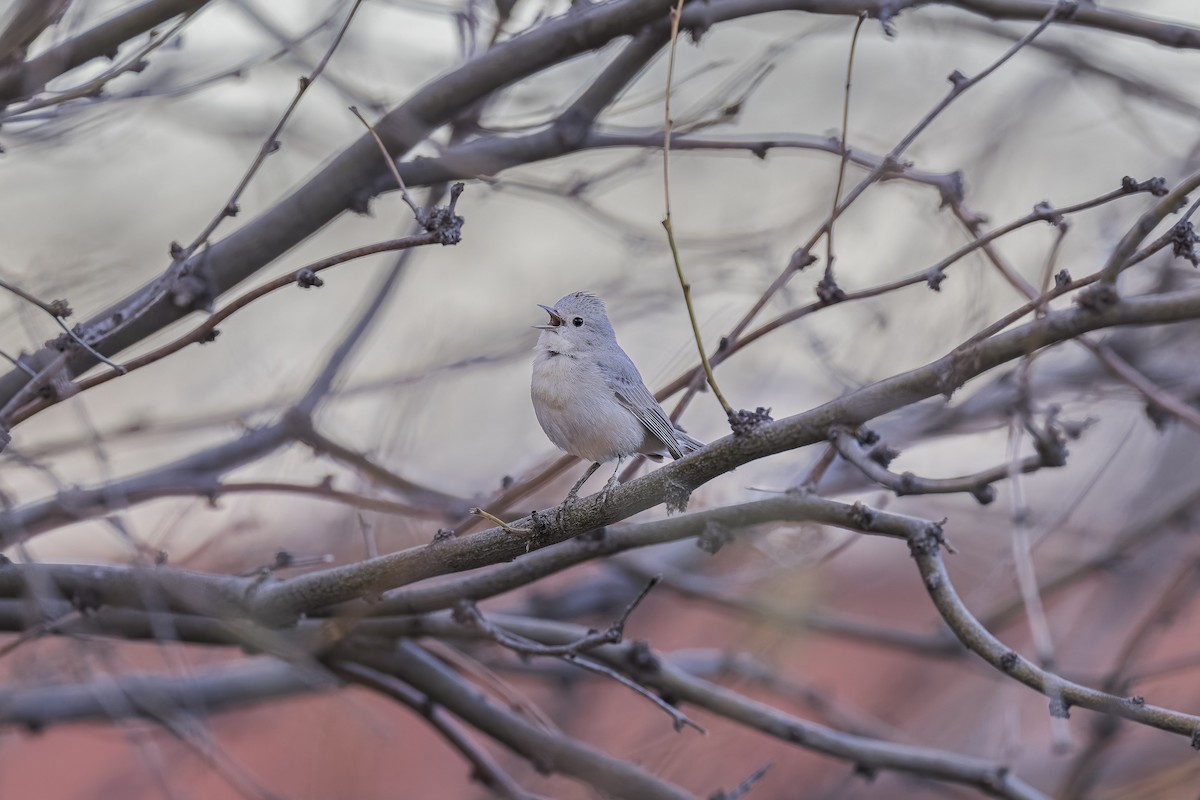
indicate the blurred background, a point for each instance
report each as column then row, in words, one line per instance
column 825, row 624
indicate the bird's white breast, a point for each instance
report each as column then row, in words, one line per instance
column 579, row 411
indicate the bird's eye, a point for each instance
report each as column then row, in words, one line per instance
column 577, row 322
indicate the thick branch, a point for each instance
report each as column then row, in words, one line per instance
column 674, row 482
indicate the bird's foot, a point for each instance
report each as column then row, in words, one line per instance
column 608, row 487
column 560, row 513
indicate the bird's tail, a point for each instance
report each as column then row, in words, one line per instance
column 686, row 443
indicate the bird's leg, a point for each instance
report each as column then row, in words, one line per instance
column 573, row 495
column 612, row 482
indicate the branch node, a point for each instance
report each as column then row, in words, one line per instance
column 885, row 14
column 867, row 437
column 86, row 600
column 1045, row 211
column 307, row 279
column 1009, row 661
column 985, row 494
column 801, row 259
column 1059, row 708
column 1065, row 9
column 1098, row 297
column 1183, row 242
column 828, row 292
column 443, row 221
column 865, row 771
column 193, row 289
column 642, row 658
column 862, row 516
column 714, row 537
column 742, row 422
column 884, row 455
column 539, row 525
column 1155, row 186
column 953, row 190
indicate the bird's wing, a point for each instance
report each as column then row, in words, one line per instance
column 632, row 393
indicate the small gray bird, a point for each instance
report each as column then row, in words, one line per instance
column 590, row 398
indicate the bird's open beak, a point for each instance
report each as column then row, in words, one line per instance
column 555, row 319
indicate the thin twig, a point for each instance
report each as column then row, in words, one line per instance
column 391, row 162
column 680, row 719
column 676, row 12
column 95, row 87
column 19, row 364
column 960, row 84
column 1027, row 583
column 740, row 791
column 270, row 144
column 206, row 330
column 830, row 257
column 55, row 308
column 475, row 511
column 978, row 485
column 466, row 612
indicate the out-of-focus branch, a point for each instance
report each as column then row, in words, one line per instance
column 644, row 665
column 466, row 612
column 547, row 751
column 30, row 77
column 1171, row 203
column 960, row 84
column 157, row 697
column 701, row 589
column 447, row 505
column 269, row 145
column 206, row 331
column 24, row 522
column 932, row 276
column 26, row 21
column 761, row 145
column 978, row 485
column 200, row 475
column 924, row 544
column 94, row 87
column 485, row 769
column 339, row 186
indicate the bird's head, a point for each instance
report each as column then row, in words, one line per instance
column 578, row 323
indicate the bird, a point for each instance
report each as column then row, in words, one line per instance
column 590, row 398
